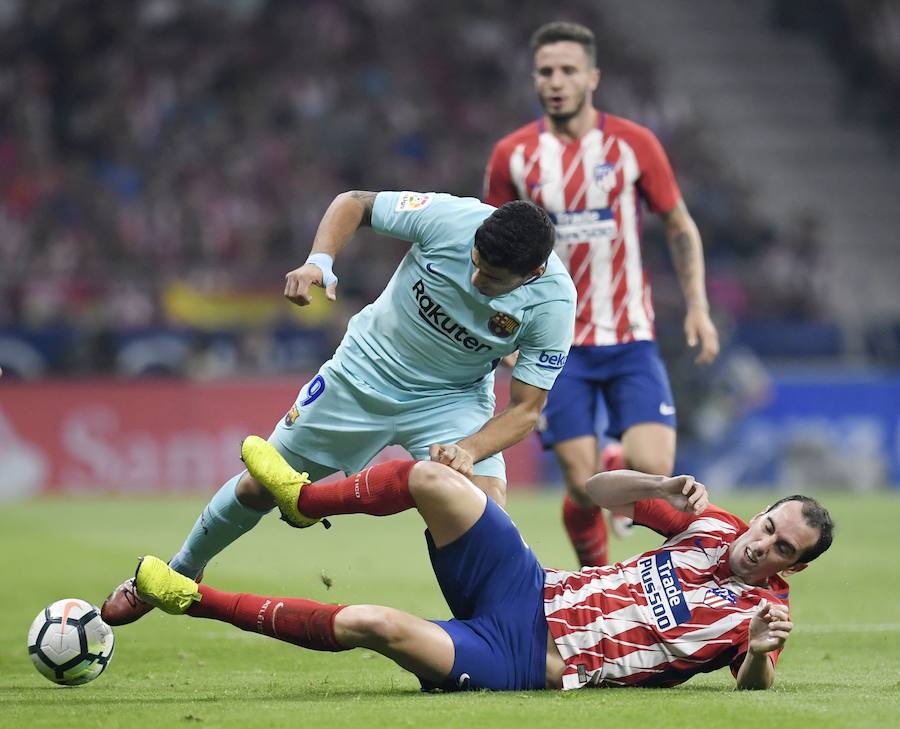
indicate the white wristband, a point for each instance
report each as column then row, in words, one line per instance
column 324, row 262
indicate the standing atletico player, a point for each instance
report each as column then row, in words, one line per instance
column 589, row 170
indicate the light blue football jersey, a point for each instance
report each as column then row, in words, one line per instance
column 431, row 331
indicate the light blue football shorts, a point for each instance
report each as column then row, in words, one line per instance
column 340, row 423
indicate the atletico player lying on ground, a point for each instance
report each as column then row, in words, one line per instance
column 711, row 596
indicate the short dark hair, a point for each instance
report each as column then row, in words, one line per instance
column 518, row 236
column 817, row 517
column 562, row 31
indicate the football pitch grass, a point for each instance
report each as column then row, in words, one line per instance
column 841, row 667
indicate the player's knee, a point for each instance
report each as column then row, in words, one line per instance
column 430, row 480
column 576, row 476
column 371, row 625
column 252, row 494
column 660, row 464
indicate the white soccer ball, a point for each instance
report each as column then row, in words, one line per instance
column 69, row 643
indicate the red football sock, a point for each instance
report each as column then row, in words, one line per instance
column 306, row 623
column 586, row 528
column 379, row 490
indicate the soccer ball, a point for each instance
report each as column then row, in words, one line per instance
column 69, row 643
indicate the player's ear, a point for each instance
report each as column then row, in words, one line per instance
column 536, row 273
column 795, row 568
column 595, row 79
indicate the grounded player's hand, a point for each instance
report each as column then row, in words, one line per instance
column 685, row 493
column 510, row 359
column 769, row 628
column 698, row 327
column 298, row 281
column 459, row 459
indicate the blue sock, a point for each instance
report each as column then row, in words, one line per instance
column 222, row 521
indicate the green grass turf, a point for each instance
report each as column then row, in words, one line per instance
column 841, row 668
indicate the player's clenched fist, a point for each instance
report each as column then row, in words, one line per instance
column 685, row 494
column 459, row 459
column 769, row 628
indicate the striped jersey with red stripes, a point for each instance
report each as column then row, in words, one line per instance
column 660, row 617
column 592, row 188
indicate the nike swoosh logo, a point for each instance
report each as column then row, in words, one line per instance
column 431, row 269
column 275, row 610
column 67, row 608
column 665, row 409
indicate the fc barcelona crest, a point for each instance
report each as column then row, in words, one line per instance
column 291, row 416
column 502, row 325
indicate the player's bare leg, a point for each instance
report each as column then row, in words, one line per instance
column 650, row 448
column 447, row 501
column 611, row 459
column 417, row 645
column 583, row 519
column 252, row 494
column 493, row 487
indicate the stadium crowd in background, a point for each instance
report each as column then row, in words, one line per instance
column 162, row 149
column 863, row 40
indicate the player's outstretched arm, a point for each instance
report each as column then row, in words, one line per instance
column 506, row 428
column 620, row 490
column 686, row 249
column 769, row 630
column 347, row 213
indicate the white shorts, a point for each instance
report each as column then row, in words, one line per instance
column 342, row 424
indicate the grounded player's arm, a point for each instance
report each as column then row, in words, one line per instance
column 506, row 428
column 619, row 491
column 686, row 249
column 347, row 213
column 769, row 630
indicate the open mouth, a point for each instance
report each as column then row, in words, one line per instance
column 749, row 555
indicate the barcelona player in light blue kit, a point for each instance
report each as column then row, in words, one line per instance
column 415, row 367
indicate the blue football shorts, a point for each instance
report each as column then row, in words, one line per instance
column 607, row 389
column 340, row 423
column 494, row 586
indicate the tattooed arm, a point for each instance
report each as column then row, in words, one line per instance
column 687, row 256
column 347, row 213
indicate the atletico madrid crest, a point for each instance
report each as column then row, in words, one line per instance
column 502, row 325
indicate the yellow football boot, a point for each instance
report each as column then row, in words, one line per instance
column 160, row 585
column 268, row 467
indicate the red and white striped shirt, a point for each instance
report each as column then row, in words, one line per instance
column 592, row 188
column 661, row 617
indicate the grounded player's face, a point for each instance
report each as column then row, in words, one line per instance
column 492, row 280
column 564, row 79
column 772, row 543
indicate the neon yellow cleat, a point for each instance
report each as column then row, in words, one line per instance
column 268, row 467
column 160, row 585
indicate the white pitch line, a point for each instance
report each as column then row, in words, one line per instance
column 862, row 628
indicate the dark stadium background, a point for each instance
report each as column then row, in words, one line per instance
column 163, row 163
